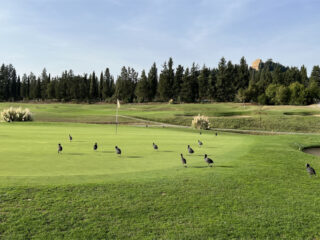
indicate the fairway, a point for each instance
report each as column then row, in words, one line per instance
column 258, row 187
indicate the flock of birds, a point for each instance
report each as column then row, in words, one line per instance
column 208, row 160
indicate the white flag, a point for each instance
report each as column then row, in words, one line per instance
column 118, row 103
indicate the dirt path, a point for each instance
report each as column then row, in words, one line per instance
column 154, row 123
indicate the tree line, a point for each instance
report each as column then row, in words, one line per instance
column 272, row 83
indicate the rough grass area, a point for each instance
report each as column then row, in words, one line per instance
column 222, row 115
column 258, row 188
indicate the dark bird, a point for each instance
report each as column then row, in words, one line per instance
column 70, row 137
column 200, row 143
column 200, row 132
column 95, row 146
column 183, row 160
column 155, row 146
column 59, row 148
column 216, row 134
column 190, row 150
column 118, row 150
column 310, row 170
column 208, row 160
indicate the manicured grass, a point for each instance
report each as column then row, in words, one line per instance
column 258, row 189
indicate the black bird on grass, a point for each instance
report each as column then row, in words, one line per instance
column 200, row 143
column 216, row 134
column 183, row 160
column 208, row 160
column 59, row 148
column 70, row 137
column 118, row 150
column 310, row 170
column 95, row 146
column 190, row 150
column 155, row 146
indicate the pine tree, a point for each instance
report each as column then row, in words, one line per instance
column 177, row 82
column 221, row 81
column 44, row 83
column 315, row 75
column 186, row 93
column 153, row 81
column 126, row 84
column 194, row 73
column 203, row 82
column 101, row 82
column 108, row 85
column 166, row 81
column 304, row 76
column 242, row 75
column 142, row 89
column 93, row 86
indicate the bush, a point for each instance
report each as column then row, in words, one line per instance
column 16, row 114
column 200, row 122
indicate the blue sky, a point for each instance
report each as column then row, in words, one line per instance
column 95, row 34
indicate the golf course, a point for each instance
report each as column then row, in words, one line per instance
column 258, row 187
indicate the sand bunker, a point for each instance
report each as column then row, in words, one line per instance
column 314, row 151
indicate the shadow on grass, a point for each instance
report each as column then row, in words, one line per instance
column 74, row 154
column 225, row 166
column 198, row 167
column 134, row 157
column 107, row 151
column 166, row 151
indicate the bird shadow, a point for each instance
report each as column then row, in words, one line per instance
column 224, row 166
column 75, row 154
column 165, row 151
column 107, row 151
column 199, row 167
column 134, row 157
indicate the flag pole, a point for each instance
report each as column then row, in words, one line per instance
column 117, row 120
column 118, row 106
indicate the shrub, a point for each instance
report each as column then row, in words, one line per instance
column 200, row 122
column 16, row 114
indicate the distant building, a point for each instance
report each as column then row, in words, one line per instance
column 256, row 64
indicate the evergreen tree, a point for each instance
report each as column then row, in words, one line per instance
column 126, row 84
column 194, row 74
column 304, row 76
column 44, row 83
column 186, row 93
column 101, row 82
column 108, row 85
column 242, row 75
column 177, row 82
column 315, row 75
column 93, row 86
column 224, row 86
column 142, row 89
column 203, row 82
column 165, row 87
column 153, row 81
column 212, row 84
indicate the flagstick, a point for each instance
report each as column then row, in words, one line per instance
column 117, row 121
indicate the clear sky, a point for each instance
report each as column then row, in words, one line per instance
column 95, row 34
